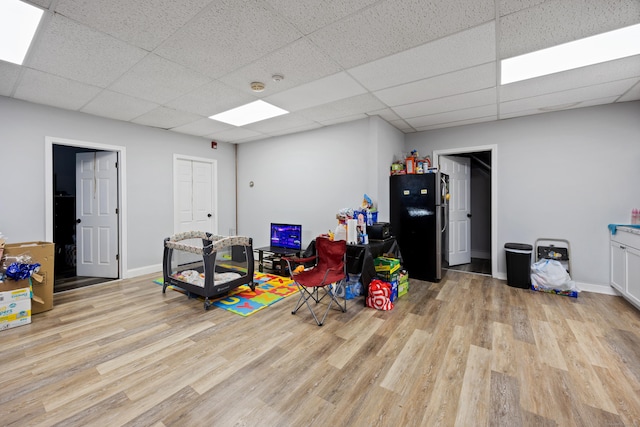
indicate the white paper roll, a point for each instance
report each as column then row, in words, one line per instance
column 352, row 231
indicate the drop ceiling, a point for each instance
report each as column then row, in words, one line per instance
column 418, row 64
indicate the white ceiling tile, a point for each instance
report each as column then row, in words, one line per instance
column 322, row 91
column 165, row 118
column 436, row 59
column 43, row 88
column 9, row 74
column 159, row 80
column 567, row 97
column 310, row 15
column 450, row 103
column 560, row 21
column 227, row 36
column 471, row 79
column 390, row 26
column 585, row 76
column 280, row 123
column 202, row 127
column 386, row 113
column 68, row 49
column 343, row 119
column 143, row 23
column 533, row 111
column 118, row 106
column 506, row 7
column 211, row 99
column 402, row 125
column 44, row 3
column 462, row 50
column 299, row 62
column 458, row 123
column 310, row 126
column 453, row 116
column 632, row 94
column 359, row 104
column 236, row 135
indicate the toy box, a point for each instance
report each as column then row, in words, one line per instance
column 403, row 283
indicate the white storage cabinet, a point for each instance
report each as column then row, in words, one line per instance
column 625, row 263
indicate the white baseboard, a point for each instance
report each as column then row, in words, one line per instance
column 598, row 289
column 587, row 287
column 144, row 270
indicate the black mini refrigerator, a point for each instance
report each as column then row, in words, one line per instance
column 418, row 214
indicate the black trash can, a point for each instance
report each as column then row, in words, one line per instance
column 518, row 264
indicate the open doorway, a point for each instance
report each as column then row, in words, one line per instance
column 480, row 239
column 83, row 194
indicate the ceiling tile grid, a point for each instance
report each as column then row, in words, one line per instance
column 560, row 21
column 298, row 63
column 572, row 79
column 9, row 74
column 159, row 80
column 228, row 35
column 142, row 23
column 165, row 118
column 53, row 90
column 633, row 94
column 467, row 80
column 418, row 64
column 72, row 50
column 481, row 112
column 117, row 106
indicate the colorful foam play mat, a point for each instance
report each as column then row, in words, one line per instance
column 269, row 289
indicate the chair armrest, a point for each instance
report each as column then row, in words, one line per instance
column 298, row 260
column 294, row 262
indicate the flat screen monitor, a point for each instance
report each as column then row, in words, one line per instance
column 287, row 236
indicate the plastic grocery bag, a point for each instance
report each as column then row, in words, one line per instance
column 549, row 274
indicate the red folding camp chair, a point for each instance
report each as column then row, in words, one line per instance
column 327, row 273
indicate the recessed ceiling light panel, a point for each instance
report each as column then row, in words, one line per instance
column 18, row 24
column 249, row 113
column 579, row 53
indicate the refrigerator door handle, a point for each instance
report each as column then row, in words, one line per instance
column 445, row 208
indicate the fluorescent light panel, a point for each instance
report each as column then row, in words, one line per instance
column 580, row 53
column 18, row 24
column 249, row 113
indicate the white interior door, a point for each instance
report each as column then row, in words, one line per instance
column 459, row 171
column 194, row 197
column 97, row 214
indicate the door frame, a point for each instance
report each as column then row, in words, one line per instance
column 122, row 196
column 214, row 189
column 494, row 192
column 454, row 233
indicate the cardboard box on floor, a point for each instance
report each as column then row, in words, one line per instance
column 42, row 282
column 15, row 304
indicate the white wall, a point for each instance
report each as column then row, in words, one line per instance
column 149, row 163
column 561, row 175
column 307, row 177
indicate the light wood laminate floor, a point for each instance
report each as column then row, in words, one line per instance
column 468, row 351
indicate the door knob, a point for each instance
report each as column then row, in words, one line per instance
column 78, row 220
column 468, row 215
column 209, row 215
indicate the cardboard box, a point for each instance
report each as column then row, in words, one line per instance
column 12, row 290
column 43, row 253
column 403, row 284
column 15, row 313
column 386, row 265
